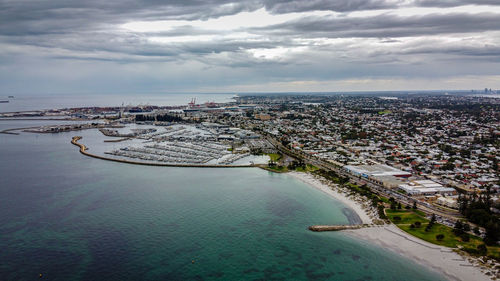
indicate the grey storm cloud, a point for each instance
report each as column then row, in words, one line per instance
column 284, row 6
column 454, row 3
column 24, row 17
column 387, row 25
column 38, row 17
column 288, row 6
column 89, row 34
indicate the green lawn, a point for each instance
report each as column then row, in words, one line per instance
column 384, row 199
column 274, row 156
column 352, row 185
column 409, row 217
column 384, row 112
column 308, row 168
column 277, row 169
column 283, row 169
column 420, row 213
column 450, row 240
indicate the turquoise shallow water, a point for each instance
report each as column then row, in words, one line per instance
column 72, row 217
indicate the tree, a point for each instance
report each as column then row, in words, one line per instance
column 417, row 224
column 478, row 210
column 393, row 205
column 431, row 223
column 381, row 213
column 482, row 249
column 440, row 237
column 433, row 219
column 458, row 229
column 465, row 237
column 414, row 205
column 491, row 236
column 399, row 206
column 466, row 227
column 476, row 230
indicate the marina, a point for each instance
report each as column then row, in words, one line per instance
column 83, row 150
column 181, row 144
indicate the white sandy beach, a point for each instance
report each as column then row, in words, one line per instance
column 438, row 258
column 342, row 197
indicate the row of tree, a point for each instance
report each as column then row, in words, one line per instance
column 477, row 209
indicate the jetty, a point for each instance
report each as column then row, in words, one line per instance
column 83, row 150
column 320, row 228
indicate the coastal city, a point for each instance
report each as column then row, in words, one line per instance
column 405, row 158
column 325, row 140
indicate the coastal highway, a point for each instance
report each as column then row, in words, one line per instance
column 376, row 188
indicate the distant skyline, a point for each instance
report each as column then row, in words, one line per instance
column 131, row 46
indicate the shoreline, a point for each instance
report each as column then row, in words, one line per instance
column 351, row 203
column 440, row 259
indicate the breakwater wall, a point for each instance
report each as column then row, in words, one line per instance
column 320, row 228
column 83, row 150
column 12, row 130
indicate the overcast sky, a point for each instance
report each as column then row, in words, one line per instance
column 132, row 46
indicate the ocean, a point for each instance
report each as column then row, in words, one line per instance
column 28, row 102
column 71, row 217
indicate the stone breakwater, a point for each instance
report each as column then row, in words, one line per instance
column 320, row 228
column 83, row 150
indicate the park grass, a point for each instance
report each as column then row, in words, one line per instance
column 276, row 169
column 384, row 112
column 420, row 213
column 275, row 157
column 407, row 217
column 307, row 168
column 283, row 169
column 384, row 199
column 411, row 216
column 449, row 240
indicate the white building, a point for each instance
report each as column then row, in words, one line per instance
column 425, row 187
column 449, row 202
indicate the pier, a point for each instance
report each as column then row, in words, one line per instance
column 83, row 150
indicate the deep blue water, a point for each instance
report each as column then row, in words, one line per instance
column 72, row 217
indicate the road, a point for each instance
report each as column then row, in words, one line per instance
column 374, row 187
